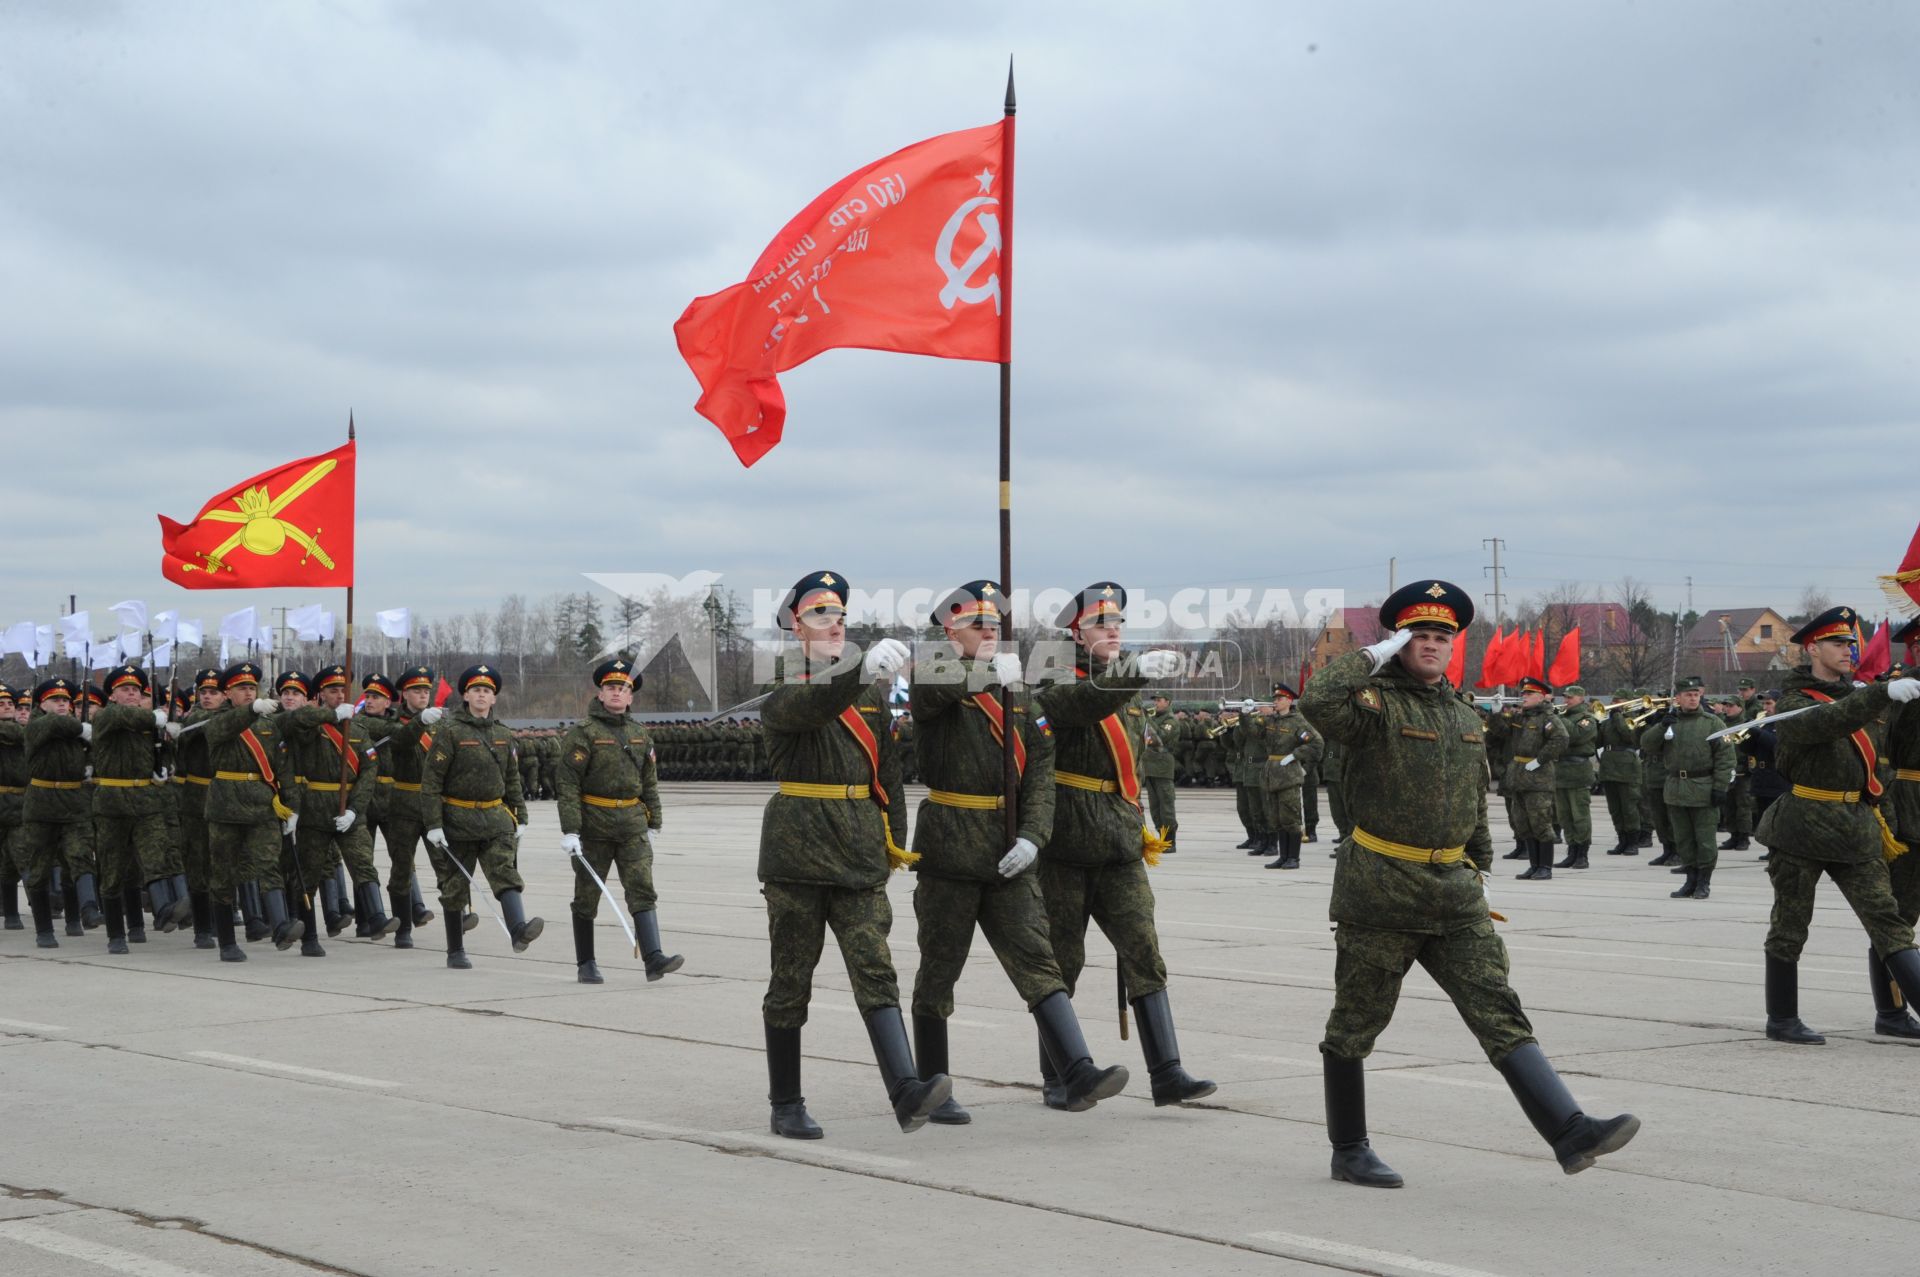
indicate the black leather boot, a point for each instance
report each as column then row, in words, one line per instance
column 1354, row 1160
column 646, row 928
column 1052, row 1092
column 332, row 911
column 588, row 969
column 373, row 920
column 254, row 910
column 913, row 1100
column 1631, row 847
column 1532, row 870
column 1687, row 885
column 310, row 946
column 1290, row 851
column 403, row 914
column 1667, row 856
column 456, row 944
column 135, row 916
column 1576, row 1138
column 116, row 923
column 1576, row 857
column 343, row 894
column 286, row 932
column 40, row 905
column 1702, row 883
column 1171, row 1083
column 230, row 950
column 10, row 904
column 88, row 903
column 1890, row 1014
column 1521, row 851
column 1543, row 861
column 1250, row 843
column 70, row 910
column 1258, row 846
column 1080, row 1082
column 790, row 1116
column 1646, row 837
column 524, row 930
column 1783, row 1005
column 421, row 914
column 202, row 906
column 930, row 1056
column 1904, row 967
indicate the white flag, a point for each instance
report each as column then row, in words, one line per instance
column 131, row 646
column 264, row 637
column 395, row 623
column 189, row 632
column 76, row 632
column 104, row 655
column 165, row 627
column 162, row 654
column 42, row 645
column 18, row 638
column 132, row 614
column 237, row 626
column 311, row 624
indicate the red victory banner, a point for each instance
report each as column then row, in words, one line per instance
column 1902, row 586
column 292, row 525
column 903, row 254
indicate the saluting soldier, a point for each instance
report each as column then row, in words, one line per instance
column 1408, row 884
column 827, row 842
column 1163, row 746
column 57, row 828
column 245, row 816
column 129, row 829
column 1573, row 777
column 325, row 743
column 967, row 874
column 1094, row 866
column 471, row 802
column 1539, row 738
column 1831, row 821
column 1292, row 747
column 13, row 790
column 609, row 800
column 1696, row 774
column 1619, row 773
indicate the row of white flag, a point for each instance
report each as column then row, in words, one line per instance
column 165, row 630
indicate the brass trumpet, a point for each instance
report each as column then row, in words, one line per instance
column 1633, row 704
column 1656, row 705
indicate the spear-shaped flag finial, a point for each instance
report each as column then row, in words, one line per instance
column 1011, row 107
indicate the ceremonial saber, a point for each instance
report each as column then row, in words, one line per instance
column 1120, row 987
column 1766, row 719
column 475, row 890
column 600, row 882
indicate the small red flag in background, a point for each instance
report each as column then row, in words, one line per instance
column 1537, row 655
column 902, row 254
column 1457, row 663
column 1876, row 658
column 1490, row 661
column 1903, row 586
column 441, row 691
column 1566, row 661
column 291, row 525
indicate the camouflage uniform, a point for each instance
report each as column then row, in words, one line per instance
column 470, row 790
column 1619, row 773
column 57, row 827
column 131, row 845
column 1292, row 747
column 1333, row 765
column 13, row 789
column 1163, row 747
column 1573, row 783
column 609, row 794
column 1538, row 736
column 313, row 751
column 1695, row 775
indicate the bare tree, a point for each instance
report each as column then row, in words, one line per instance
column 510, row 632
column 482, row 622
column 1813, row 601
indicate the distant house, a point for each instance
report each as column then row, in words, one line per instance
column 1347, row 630
column 1602, row 625
column 1745, row 639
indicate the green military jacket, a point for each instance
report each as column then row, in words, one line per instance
column 1816, row 750
column 314, row 758
column 1537, row 734
column 378, row 728
column 13, row 774
column 471, row 761
column 1574, row 768
column 959, row 754
column 1694, row 768
column 192, row 768
column 1292, row 746
column 1619, row 763
column 237, row 800
column 608, row 781
column 403, row 756
column 57, row 757
column 1093, row 828
column 1248, row 739
column 1333, row 760
column 1163, row 744
column 1414, row 773
column 832, row 842
column 1903, row 753
column 122, row 750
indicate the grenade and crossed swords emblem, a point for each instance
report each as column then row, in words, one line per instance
column 263, row 531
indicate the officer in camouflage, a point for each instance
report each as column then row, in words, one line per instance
column 609, row 799
column 244, row 813
column 967, row 874
column 1831, row 822
column 324, row 740
column 1408, row 885
column 1697, row 772
column 192, row 774
column 1094, row 867
column 57, row 829
column 1539, row 739
column 1162, row 754
column 129, row 829
column 828, row 840
column 1292, row 747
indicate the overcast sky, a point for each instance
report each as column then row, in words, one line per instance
column 1302, row 286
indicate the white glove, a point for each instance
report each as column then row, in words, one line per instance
column 265, row 705
column 570, row 843
column 174, row 729
column 886, row 658
column 1904, row 689
column 1247, row 706
column 1162, row 663
column 160, row 720
column 1006, row 669
column 86, row 731
column 432, row 714
column 1286, row 760
column 1018, row 857
column 437, row 838
column 88, row 773
column 517, row 831
column 1669, row 735
column 290, row 824
column 343, row 822
column 160, row 777
column 1382, row 652
column 342, row 712
column 1533, row 765
column 1486, row 893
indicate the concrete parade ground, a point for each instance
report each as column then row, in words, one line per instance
column 375, row 1113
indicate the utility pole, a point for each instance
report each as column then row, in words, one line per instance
column 1499, row 598
column 1392, row 564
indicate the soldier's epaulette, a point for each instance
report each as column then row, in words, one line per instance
column 1369, row 698
column 869, row 709
column 1134, row 710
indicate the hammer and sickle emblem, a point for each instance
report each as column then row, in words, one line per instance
column 957, row 288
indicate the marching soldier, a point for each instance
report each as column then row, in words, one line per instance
column 609, row 792
column 395, row 719
column 13, row 789
column 1831, row 821
column 967, row 875
column 1408, row 885
column 827, row 842
column 1892, row 1017
column 192, row 774
column 129, row 829
column 1538, row 739
column 1163, row 744
column 471, row 803
column 1695, row 773
column 1094, row 866
column 1739, row 811
column 1573, row 777
column 1619, row 773
column 57, row 829
column 325, row 743
column 1292, row 747
column 244, row 813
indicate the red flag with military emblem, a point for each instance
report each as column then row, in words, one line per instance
column 904, row 254
column 1902, row 587
column 291, row 525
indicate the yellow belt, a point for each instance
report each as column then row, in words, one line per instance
column 1899, row 773
column 114, row 782
column 37, row 783
column 13, row 789
column 1518, row 759
column 320, row 786
column 407, row 786
column 972, row 802
column 595, row 800
column 1073, row 780
column 384, row 780
column 236, row 775
column 801, row 789
column 1401, row 851
column 1274, row 758
column 483, row 805
column 194, row 780
column 1826, row 795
